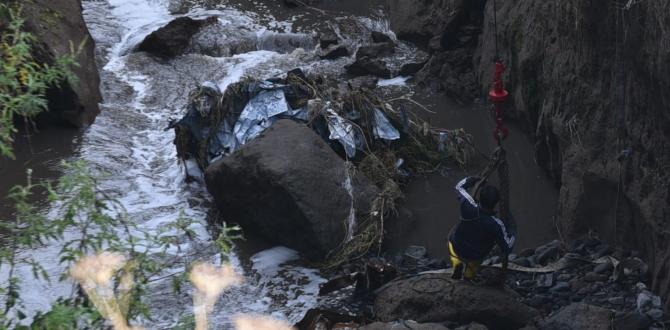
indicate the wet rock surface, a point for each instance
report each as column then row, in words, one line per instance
column 174, row 38
column 56, row 25
column 289, row 186
column 438, row 298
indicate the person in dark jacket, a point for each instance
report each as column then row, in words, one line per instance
column 478, row 230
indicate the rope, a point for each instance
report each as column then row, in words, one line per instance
column 495, row 28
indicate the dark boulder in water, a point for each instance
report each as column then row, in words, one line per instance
column 366, row 66
column 174, row 38
column 290, row 187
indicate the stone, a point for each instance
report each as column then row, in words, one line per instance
column 335, row 52
column 545, row 253
column 379, row 37
column 438, row 298
column 403, row 325
column 560, row 287
column 564, row 277
column 288, row 186
column 604, row 268
column 174, row 38
column 473, row 326
column 419, row 21
column 656, row 314
column 616, row 300
column 376, row 50
column 55, row 25
column 328, row 38
column 545, row 280
column 523, row 262
column 632, row 321
column 594, row 277
column 409, row 69
column 538, row 301
column 579, row 316
column 646, row 300
column 366, row 66
column 435, row 43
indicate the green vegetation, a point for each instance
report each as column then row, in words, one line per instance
column 23, row 81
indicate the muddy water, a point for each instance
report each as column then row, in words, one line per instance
column 41, row 151
column 431, row 209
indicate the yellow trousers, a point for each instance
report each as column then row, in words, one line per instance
column 471, row 267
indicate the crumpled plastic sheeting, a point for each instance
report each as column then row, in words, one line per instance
column 259, row 114
column 383, row 128
column 342, row 131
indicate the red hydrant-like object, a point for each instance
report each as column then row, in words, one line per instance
column 498, row 96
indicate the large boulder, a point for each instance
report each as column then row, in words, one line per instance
column 290, row 187
column 422, row 20
column 57, row 24
column 438, row 298
column 174, row 38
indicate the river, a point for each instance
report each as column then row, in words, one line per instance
column 128, row 141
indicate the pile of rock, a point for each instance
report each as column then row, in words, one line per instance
column 587, row 286
column 590, row 272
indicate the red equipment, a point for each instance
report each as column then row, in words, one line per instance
column 498, row 96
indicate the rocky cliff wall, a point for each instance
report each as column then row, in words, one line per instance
column 589, row 82
column 58, row 24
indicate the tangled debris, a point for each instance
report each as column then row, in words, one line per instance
column 384, row 141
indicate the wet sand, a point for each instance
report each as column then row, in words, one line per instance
column 430, row 208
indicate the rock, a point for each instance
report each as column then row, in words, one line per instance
column 656, row 314
column 409, row 69
column 328, row 38
column 523, row 262
column 632, row 267
column 545, row 280
column 54, row 25
column 631, row 321
column 594, row 277
column 438, row 298
column 376, row 50
column 435, row 43
column 288, row 186
column 560, row 287
column 334, row 52
column 604, row 268
column 378, row 37
column 472, row 326
column 539, row 300
column 173, row 39
column 579, row 316
column 527, row 252
column 403, row 325
column 616, row 300
column 565, row 278
column 647, row 300
column 419, row 21
column 366, row 66
column 548, row 252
